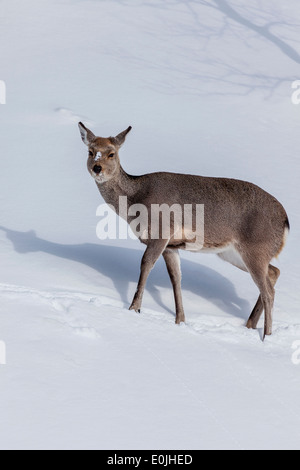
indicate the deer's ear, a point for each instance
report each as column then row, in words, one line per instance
column 120, row 138
column 86, row 135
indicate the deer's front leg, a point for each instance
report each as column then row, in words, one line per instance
column 154, row 250
column 172, row 260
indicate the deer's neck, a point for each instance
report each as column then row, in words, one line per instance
column 119, row 186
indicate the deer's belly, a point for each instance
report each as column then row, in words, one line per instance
column 227, row 253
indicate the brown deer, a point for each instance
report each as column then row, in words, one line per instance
column 244, row 225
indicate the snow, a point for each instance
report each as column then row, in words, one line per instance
column 207, row 87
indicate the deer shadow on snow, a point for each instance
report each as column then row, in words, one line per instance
column 122, row 265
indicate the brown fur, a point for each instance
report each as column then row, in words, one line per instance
column 238, row 215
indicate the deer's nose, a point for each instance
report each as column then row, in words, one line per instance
column 97, row 169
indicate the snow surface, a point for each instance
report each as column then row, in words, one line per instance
column 207, row 87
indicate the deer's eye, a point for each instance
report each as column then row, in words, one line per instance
column 111, row 155
column 91, row 154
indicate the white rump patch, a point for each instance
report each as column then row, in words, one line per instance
column 286, row 235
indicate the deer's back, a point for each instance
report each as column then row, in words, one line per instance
column 214, row 193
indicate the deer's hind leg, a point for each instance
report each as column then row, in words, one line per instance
column 254, row 318
column 265, row 277
column 259, row 269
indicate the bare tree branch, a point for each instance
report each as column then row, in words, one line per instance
column 212, row 46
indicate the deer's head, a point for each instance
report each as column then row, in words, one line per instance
column 103, row 162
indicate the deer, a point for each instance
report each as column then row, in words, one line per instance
column 243, row 224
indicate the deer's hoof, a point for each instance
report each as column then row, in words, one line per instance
column 180, row 319
column 250, row 325
column 135, row 308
